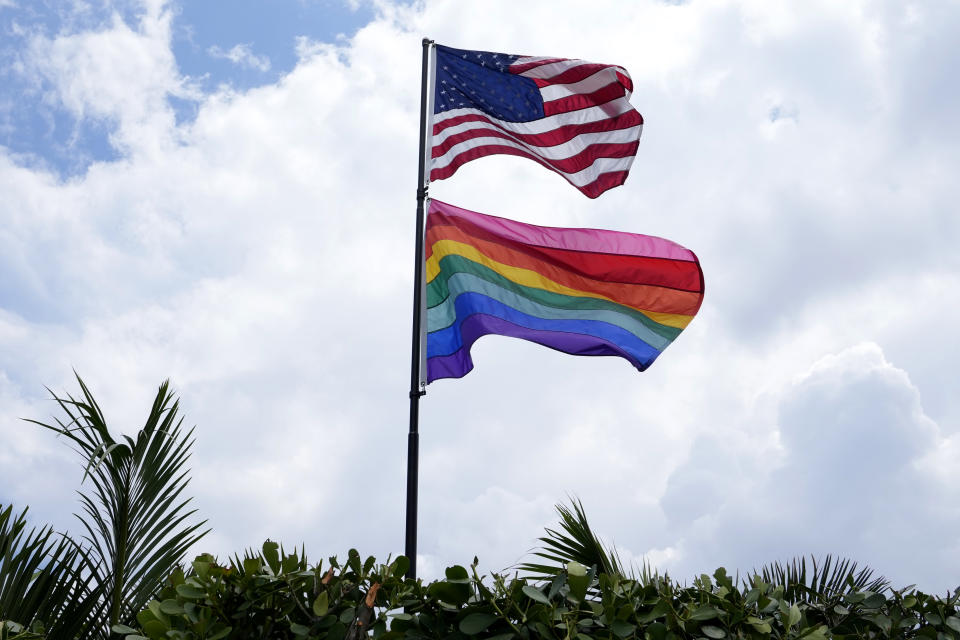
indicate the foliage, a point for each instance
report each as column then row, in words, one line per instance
column 576, row 542
column 135, row 521
column 824, row 581
column 276, row 595
column 10, row 630
column 40, row 578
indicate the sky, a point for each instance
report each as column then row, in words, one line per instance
column 223, row 194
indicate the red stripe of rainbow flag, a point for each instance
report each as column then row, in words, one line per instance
column 579, row 291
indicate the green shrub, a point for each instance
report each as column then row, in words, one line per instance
column 272, row 594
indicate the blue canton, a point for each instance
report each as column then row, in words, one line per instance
column 480, row 80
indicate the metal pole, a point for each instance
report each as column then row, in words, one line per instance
column 413, row 438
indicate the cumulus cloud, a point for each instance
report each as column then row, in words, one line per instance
column 259, row 255
column 120, row 73
column 243, row 55
column 854, row 450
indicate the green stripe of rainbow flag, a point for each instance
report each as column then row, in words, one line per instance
column 580, row 291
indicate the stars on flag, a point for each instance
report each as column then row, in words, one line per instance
column 482, row 80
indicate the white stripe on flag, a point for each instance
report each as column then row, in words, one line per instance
column 547, row 71
column 611, row 109
column 590, row 84
column 564, row 151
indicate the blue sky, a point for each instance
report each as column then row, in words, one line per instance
column 204, row 33
column 220, row 193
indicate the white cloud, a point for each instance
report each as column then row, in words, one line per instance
column 260, row 257
column 119, row 73
column 243, row 55
column 856, row 449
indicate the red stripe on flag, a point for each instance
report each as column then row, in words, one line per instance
column 574, row 74
column 573, row 164
column 593, row 189
column 679, row 275
column 584, row 100
column 552, row 138
column 520, row 67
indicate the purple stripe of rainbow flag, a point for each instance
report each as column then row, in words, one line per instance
column 579, row 291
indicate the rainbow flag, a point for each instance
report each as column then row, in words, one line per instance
column 580, row 291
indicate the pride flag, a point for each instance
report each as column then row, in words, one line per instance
column 579, row 291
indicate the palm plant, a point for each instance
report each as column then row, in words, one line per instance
column 135, row 520
column 826, row 579
column 576, row 542
column 40, row 579
column 823, row 581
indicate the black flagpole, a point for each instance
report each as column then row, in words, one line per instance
column 413, row 438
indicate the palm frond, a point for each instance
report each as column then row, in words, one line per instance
column 575, row 542
column 133, row 515
column 41, row 578
column 825, row 579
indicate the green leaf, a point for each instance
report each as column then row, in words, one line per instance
column 476, row 622
column 659, row 610
column 201, row 568
column 881, row 621
column 713, row 632
column 874, row 601
column 953, row 622
column 760, row 625
column 299, row 629
column 289, row 563
column 190, row 592
column 451, row 592
column 535, row 594
column 272, row 555
column 223, row 633
column 456, row 573
column 909, row 602
column 401, row 566
column 158, row 613
column 820, row 633
column 155, row 629
column 793, row 617
column 171, row 607
column 122, row 629
column 622, row 629
column 657, row 631
column 578, row 580
column 353, row 561
column 706, row 612
column 321, row 605
column 251, row 566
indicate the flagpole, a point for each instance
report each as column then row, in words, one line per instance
column 413, row 438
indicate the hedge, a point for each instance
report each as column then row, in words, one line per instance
column 273, row 594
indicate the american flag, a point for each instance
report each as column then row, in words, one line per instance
column 571, row 116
